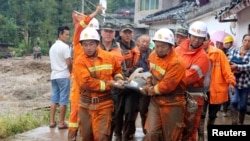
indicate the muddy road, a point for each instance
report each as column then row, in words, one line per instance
column 24, row 84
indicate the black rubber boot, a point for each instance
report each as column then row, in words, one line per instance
column 234, row 115
column 241, row 118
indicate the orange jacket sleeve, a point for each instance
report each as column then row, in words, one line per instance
column 117, row 70
column 227, row 73
column 86, row 81
column 174, row 74
column 78, row 29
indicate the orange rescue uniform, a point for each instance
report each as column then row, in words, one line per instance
column 93, row 76
column 197, row 65
column 75, row 93
column 165, row 120
column 221, row 76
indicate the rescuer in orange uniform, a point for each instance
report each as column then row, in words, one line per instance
column 87, row 21
column 221, row 80
column 97, row 72
column 165, row 121
column 197, row 65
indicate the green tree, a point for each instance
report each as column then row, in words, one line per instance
column 27, row 22
column 9, row 30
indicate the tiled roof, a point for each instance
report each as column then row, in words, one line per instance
column 226, row 11
column 174, row 13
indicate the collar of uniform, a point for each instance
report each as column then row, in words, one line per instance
column 185, row 46
column 99, row 53
column 132, row 43
column 212, row 49
column 113, row 45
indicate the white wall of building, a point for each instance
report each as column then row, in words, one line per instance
column 153, row 28
column 242, row 24
column 214, row 25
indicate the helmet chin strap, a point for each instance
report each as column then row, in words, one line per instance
column 196, row 47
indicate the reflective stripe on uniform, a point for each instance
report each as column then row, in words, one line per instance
column 157, row 68
column 198, row 70
column 100, row 67
column 102, row 86
column 82, row 23
column 118, row 76
column 73, row 124
column 196, row 93
column 156, row 89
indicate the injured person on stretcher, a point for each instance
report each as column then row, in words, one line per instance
column 137, row 79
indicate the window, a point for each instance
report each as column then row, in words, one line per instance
column 148, row 5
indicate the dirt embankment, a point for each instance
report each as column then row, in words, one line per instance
column 24, row 84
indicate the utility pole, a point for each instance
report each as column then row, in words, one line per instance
column 83, row 6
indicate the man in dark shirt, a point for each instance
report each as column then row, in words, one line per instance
column 143, row 45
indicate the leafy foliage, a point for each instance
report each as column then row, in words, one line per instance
column 12, row 125
column 36, row 21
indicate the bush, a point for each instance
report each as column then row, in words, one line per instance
column 12, row 124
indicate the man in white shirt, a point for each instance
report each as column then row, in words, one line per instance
column 61, row 65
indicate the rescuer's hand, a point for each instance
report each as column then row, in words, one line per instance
column 144, row 89
column 118, row 84
column 97, row 11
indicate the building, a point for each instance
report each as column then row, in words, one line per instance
column 236, row 13
column 183, row 13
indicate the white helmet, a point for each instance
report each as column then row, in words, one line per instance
column 89, row 34
column 198, row 29
column 94, row 24
column 164, row 35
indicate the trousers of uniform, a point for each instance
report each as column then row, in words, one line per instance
column 73, row 120
column 192, row 133
column 165, row 122
column 95, row 125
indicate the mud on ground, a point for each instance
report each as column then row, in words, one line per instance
column 24, row 84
